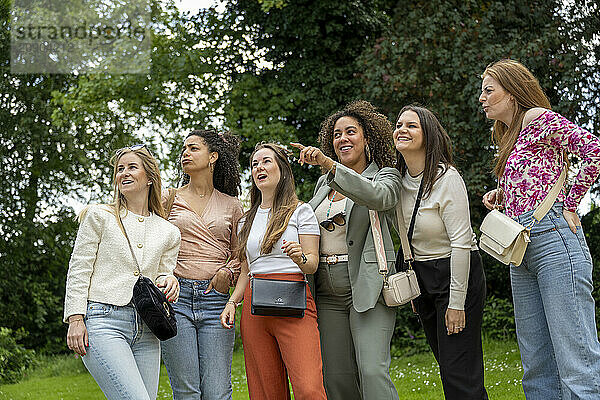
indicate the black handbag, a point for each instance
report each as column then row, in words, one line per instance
column 152, row 304
column 278, row 298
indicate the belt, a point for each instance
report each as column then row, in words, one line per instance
column 333, row 259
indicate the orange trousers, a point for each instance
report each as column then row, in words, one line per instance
column 278, row 347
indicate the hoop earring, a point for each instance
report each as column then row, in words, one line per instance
column 368, row 153
column 211, row 166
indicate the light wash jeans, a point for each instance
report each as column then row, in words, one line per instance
column 123, row 354
column 198, row 359
column 554, row 312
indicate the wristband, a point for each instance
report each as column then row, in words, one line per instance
column 234, row 303
column 75, row 320
column 304, row 259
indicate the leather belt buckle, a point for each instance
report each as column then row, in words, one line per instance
column 332, row 259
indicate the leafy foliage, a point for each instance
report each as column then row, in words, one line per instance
column 14, row 358
column 268, row 70
column 591, row 228
column 302, row 69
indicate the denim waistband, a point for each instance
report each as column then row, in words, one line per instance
column 553, row 219
column 527, row 216
column 193, row 282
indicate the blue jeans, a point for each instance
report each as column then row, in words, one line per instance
column 554, row 312
column 123, row 354
column 198, row 359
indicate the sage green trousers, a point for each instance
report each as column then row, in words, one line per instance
column 355, row 347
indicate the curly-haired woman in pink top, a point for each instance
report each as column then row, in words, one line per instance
column 552, row 288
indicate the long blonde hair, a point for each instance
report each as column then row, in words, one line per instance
column 285, row 203
column 119, row 202
column 517, row 80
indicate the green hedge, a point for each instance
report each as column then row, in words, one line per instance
column 14, row 358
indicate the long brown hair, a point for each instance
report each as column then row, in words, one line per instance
column 285, row 203
column 438, row 147
column 376, row 127
column 517, row 80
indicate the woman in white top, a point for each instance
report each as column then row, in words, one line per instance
column 448, row 264
column 279, row 239
column 116, row 346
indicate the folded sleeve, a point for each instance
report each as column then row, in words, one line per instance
column 380, row 193
column 307, row 221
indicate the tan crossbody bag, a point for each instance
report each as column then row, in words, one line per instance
column 504, row 238
column 402, row 287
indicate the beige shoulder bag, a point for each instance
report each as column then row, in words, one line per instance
column 402, row 287
column 504, row 238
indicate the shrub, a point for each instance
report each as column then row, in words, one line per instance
column 14, row 358
column 498, row 318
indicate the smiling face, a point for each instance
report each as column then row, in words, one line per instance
column 131, row 177
column 349, row 143
column 265, row 171
column 408, row 135
column 495, row 100
column 196, row 155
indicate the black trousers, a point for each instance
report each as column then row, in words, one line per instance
column 460, row 355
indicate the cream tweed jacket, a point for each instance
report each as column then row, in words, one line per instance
column 102, row 268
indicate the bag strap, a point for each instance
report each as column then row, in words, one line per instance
column 411, row 227
column 404, row 242
column 129, row 243
column 548, row 202
column 406, row 238
column 378, row 241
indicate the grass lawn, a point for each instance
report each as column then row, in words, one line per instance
column 416, row 377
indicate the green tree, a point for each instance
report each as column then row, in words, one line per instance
column 41, row 162
column 59, row 132
column 300, row 70
column 434, row 53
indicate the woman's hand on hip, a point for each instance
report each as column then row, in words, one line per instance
column 170, row 287
column 572, row 219
column 313, row 156
column 77, row 335
column 455, row 320
column 220, row 282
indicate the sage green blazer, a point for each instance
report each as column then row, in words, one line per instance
column 375, row 189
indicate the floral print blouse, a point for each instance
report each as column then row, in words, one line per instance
column 537, row 159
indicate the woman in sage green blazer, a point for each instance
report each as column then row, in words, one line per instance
column 356, row 326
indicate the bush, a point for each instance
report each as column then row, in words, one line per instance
column 498, row 318
column 591, row 228
column 409, row 337
column 14, row 358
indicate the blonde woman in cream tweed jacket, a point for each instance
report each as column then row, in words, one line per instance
column 102, row 268
column 116, row 346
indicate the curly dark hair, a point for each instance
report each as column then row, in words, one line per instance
column 226, row 177
column 377, row 130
